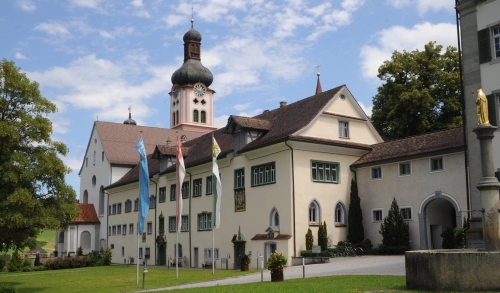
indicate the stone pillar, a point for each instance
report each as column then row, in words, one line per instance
column 489, row 189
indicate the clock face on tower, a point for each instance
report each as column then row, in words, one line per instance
column 199, row 90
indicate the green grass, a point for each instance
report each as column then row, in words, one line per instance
column 114, row 278
column 49, row 236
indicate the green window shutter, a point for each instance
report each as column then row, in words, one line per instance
column 492, row 110
column 483, row 38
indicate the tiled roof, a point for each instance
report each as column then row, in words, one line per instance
column 119, row 140
column 133, row 174
column 264, row 237
column 335, row 142
column 413, row 146
column 87, row 214
column 251, row 123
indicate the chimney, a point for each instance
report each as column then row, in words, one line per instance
column 282, row 104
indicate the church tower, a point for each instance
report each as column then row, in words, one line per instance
column 191, row 99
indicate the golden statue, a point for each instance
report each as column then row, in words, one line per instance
column 482, row 108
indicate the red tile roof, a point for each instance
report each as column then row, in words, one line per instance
column 87, row 214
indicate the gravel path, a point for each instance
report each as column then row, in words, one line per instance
column 364, row 265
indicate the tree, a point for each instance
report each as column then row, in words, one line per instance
column 31, row 172
column 394, row 230
column 421, row 93
column 309, row 239
column 322, row 236
column 355, row 230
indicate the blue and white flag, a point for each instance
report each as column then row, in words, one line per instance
column 143, row 185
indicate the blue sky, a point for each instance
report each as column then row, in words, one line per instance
column 94, row 58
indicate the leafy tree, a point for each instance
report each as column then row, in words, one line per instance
column 355, row 230
column 309, row 239
column 394, row 230
column 421, row 93
column 31, row 172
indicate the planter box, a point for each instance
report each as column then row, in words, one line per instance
column 277, row 276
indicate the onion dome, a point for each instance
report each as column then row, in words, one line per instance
column 130, row 121
column 192, row 71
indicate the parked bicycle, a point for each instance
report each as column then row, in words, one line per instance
column 347, row 249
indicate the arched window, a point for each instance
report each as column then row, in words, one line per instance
column 177, row 117
column 85, row 196
column 203, row 117
column 173, row 119
column 94, row 181
column 340, row 214
column 101, row 201
column 274, row 220
column 85, row 240
column 195, row 116
column 314, row 212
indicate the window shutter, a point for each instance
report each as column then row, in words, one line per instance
column 492, row 110
column 483, row 38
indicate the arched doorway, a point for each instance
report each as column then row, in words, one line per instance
column 437, row 212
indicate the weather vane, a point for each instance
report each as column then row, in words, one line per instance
column 317, row 67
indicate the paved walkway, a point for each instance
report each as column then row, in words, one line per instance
column 364, row 265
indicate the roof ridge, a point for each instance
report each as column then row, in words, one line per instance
column 418, row 135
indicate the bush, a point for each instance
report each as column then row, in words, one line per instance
column 366, row 245
column 3, row 262
column 395, row 232
column 383, row 249
column 79, row 251
column 453, row 238
column 68, row 263
column 309, row 239
column 106, row 257
column 7, row 288
column 27, row 262
column 16, row 262
column 37, row 260
column 276, row 262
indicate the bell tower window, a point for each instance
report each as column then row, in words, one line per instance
column 194, row 51
column 203, row 117
column 195, row 115
column 177, row 117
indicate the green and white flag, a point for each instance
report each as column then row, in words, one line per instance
column 217, row 185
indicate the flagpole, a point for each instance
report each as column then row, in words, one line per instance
column 213, row 251
column 177, row 256
column 137, row 270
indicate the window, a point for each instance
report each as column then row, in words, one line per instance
column 274, row 220
column 376, row 172
column 314, row 213
column 124, row 229
column 109, row 232
column 436, row 164
column 150, row 227
column 136, row 205
column 185, row 223
column 162, row 194
column 405, row 169
column 377, row 216
column 195, row 116
column 130, row 228
column 123, row 251
column 119, row 230
column 208, row 253
column 264, row 174
column 203, row 117
column 128, row 206
column 114, row 230
column 197, row 187
column 86, row 161
column 496, row 40
column 185, row 190
column 103, row 156
column 239, row 178
column 171, row 224
column 324, row 171
column 147, row 252
column 140, row 252
column 340, row 215
column 204, row 221
column 406, row 213
column 173, row 196
column 109, row 210
column 119, row 208
column 210, row 180
column 94, row 157
column 343, row 129
column 152, row 202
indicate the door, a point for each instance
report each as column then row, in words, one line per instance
column 436, row 239
column 162, row 254
column 196, row 257
column 238, row 250
column 269, row 248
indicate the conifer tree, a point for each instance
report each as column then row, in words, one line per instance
column 355, row 230
column 394, row 230
column 323, row 242
column 309, row 239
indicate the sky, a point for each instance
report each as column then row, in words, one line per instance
column 95, row 58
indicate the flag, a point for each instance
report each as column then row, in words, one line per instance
column 181, row 172
column 143, row 184
column 217, row 185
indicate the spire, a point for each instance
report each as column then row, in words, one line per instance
column 130, row 120
column 318, row 85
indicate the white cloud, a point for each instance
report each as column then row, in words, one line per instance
column 221, row 121
column 52, row 28
column 240, row 107
column 26, row 5
column 401, row 38
column 425, row 5
column 60, row 125
column 75, row 163
column 174, row 20
column 86, row 3
column 137, row 3
column 20, row 56
column 366, row 109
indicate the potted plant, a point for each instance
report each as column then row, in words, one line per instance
column 276, row 263
column 244, row 261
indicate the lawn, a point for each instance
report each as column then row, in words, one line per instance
column 114, row 278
